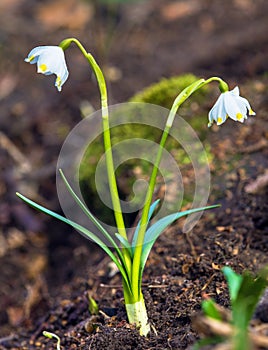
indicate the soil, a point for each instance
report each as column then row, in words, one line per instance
column 48, row 271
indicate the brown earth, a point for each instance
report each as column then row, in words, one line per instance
column 47, row 270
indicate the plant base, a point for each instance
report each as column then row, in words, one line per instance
column 137, row 314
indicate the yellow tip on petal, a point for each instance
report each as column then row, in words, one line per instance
column 219, row 120
column 29, row 59
column 251, row 112
column 239, row 116
column 58, row 81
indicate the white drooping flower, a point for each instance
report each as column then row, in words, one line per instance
column 50, row 60
column 230, row 104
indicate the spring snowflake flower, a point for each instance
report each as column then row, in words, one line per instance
column 230, row 104
column 50, row 60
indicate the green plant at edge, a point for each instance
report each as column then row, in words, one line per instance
column 245, row 292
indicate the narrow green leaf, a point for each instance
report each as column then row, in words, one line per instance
column 85, row 209
column 250, row 291
column 124, row 243
column 92, row 218
column 234, row 282
column 92, row 306
column 156, row 229
column 81, row 229
column 210, row 309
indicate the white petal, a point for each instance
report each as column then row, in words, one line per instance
column 235, row 91
column 64, row 77
column 218, row 112
column 242, row 105
column 211, row 115
column 36, row 52
column 244, row 101
column 233, row 109
column 31, row 59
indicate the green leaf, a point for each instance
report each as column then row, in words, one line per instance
column 92, row 218
column 156, row 229
column 210, row 309
column 85, row 209
column 125, row 243
column 92, row 306
column 250, row 292
column 151, row 211
column 81, row 229
column 245, row 291
column 234, row 281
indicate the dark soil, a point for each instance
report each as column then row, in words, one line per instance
column 47, row 270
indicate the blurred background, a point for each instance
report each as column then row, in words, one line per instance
column 137, row 43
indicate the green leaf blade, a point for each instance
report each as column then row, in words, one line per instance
column 234, row 281
column 93, row 219
column 157, row 228
column 80, row 229
column 125, row 243
column 86, row 210
column 210, row 309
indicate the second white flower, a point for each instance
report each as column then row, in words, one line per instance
column 230, row 104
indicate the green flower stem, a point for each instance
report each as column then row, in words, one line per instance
column 184, row 95
column 223, row 86
column 136, row 278
column 107, row 143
